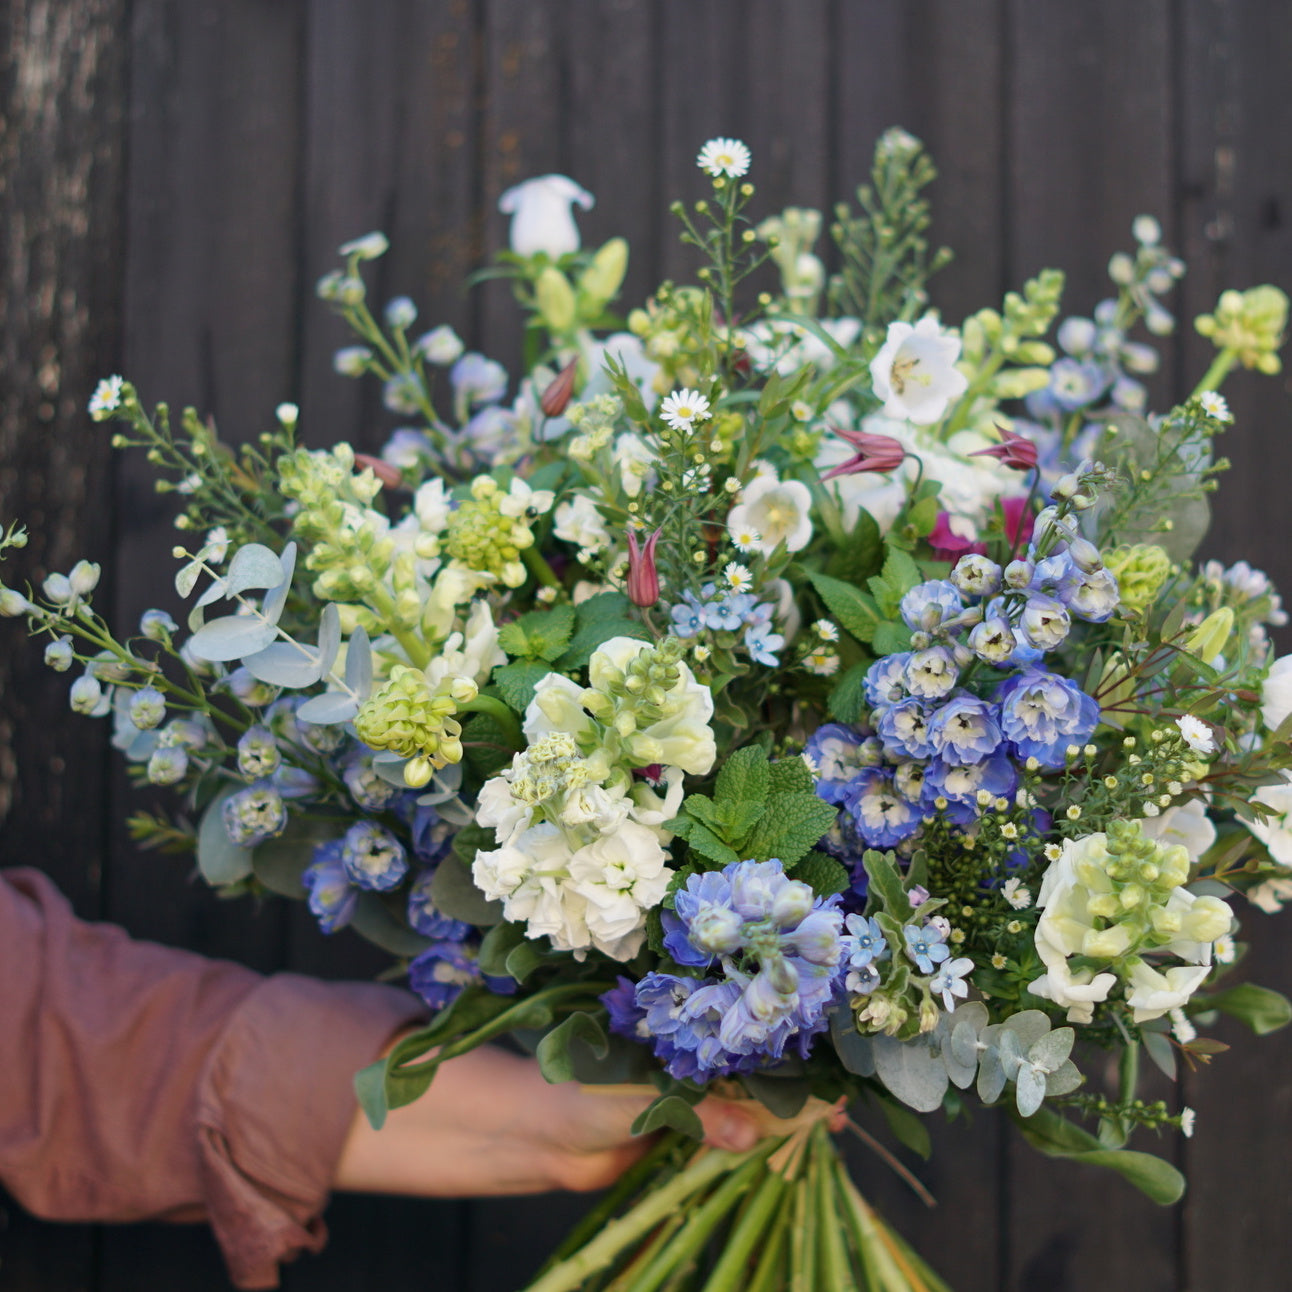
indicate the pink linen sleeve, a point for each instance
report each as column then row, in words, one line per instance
column 138, row 1081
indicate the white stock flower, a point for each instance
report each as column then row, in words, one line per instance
column 1276, row 692
column 501, row 811
column 621, row 875
column 578, row 521
column 542, row 219
column 1154, row 992
column 914, row 372
column 1196, row 734
column 635, row 461
column 777, row 511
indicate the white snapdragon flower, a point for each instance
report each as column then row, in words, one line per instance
column 1276, row 692
column 1275, row 832
column 542, row 217
column 777, row 511
column 1270, row 895
column 1155, row 992
column 914, row 372
column 1187, row 824
column 578, row 521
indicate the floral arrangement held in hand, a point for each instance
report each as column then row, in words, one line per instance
column 778, row 691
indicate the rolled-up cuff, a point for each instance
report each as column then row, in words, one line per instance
column 274, row 1105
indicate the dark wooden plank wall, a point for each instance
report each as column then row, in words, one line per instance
column 175, row 176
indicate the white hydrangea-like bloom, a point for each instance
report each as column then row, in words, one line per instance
column 1187, row 824
column 775, row 511
column 1275, row 832
column 914, row 373
column 542, row 215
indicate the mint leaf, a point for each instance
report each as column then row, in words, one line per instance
column 858, row 613
column 517, row 681
column 824, row 874
column 891, row 637
column 744, row 777
column 789, row 826
column 787, row 775
column 540, row 634
column 848, row 699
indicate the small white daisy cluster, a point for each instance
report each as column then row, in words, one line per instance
column 724, row 158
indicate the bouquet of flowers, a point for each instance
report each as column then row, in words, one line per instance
column 778, row 692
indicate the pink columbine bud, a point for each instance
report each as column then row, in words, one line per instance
column 390, row 476
column 1015, row 451
column 874, row 453
column 643, row 577
column 556, row 397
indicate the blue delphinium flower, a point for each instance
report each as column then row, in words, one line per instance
column 961, row 782
column 258, row 753
column 929, row 605
column 373, row 857
column 1096, row 596
column 839, row 753
column 882, row 816
column 332, row 897
column 430, row 834
column 1041, row 714
column 931, row 673
column 905, row 729
column 965, row 729
column 1045, row 622
column 370, row 791
column 885, row 681
column 255, row 814
column 426, row 918
column 439, row 973
column 926, row 945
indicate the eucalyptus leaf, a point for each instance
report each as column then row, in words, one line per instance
column 912, row 1071
column 855, row 1051
column 1064, row 1080
column 1052, row 1049
column 285, row 664
column 670, row 1111
column 1028, row 1026
column 276, row 600
column 991, row 1076
column 253, row 566
column 1029, row 1091
column 328, row 709
column 358, row 663
column 781, row 1096
column 231, row 637
column 454, row 893
column 279, row 863
column 1159, row 1049
column 329, row 637
column 374, row 920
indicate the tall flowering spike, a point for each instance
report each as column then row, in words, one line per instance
column 556, row 398
column 643, row 577
column 874, row 453
column 1015, row 451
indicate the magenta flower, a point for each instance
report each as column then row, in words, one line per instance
column 1015, row 451
column 643, row 577
column 874, row 453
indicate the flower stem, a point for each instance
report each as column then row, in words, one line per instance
column 500, row 713
column 702, row 1170
column 539, row 568
column 1214, row 377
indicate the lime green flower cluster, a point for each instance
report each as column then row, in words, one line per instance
column 595, row 422
column 548, row 768
column 487, row 534
column 1250, row 324
column 350, row 549
column 414, row 719
column 564, row 307
column 1140, row 569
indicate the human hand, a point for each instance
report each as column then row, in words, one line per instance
column 490, row 1124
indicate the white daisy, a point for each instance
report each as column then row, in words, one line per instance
column 746, row 538
column 1197, row 735
column 1214, row 405
column 727, row 157
column 1188, row 1118
column 106, row 398
column 1016, row 894
column 825, row 630
column 683, row 408
column 822, row 662
column 737, row 577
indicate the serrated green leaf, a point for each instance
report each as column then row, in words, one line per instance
column 486, row 748
column 822, row 873
column 540, row 634
column 703, row 841
column 847, row 701
column 597, row 632
column 855, row 611
column 553, row 1052
column 517, row 681
column 790, row 775
column 744, row 777
column 789, row 826
column 861, row 556
column 891, row 637
column 702, row 808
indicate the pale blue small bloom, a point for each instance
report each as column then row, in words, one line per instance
column 926, row 946
column 402, row 393
column 949, row 981
column 929, row 605
column 157, row 625
column 688, row 619
column 762, row 645
column 167, row 766
column 401, row 313
column 147, row 708
column 87, row 696
column 478, row 380
column 59, row 655
column 258, row 754
column 904, row 728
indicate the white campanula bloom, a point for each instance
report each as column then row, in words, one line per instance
column 1276, row 692
column 369, row 247
column 478, row 380
column 777, row 511
column 542, row 216
column 914, row 373
column 1275, row 832
column 728, row 158
column 683, row 408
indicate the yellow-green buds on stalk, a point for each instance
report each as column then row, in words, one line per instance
column 1140, row 569
column 555, row 300
column 1208, row 639
column 415, row 720
column 1251, row 324
column 600, row 282
column 487, row 533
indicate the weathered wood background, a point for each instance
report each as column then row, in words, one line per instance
column 174, row 176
